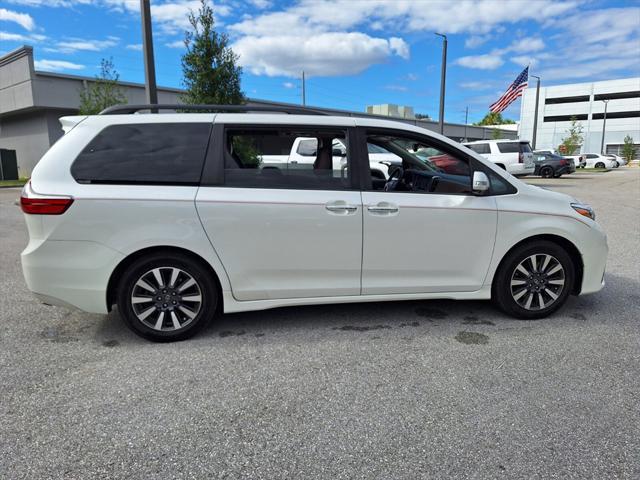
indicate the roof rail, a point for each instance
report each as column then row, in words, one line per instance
column 154, row 108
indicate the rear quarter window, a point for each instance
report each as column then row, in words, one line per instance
column 156, row 153
column 514, row 147
column 480, row 148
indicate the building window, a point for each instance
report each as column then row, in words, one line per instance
column 565, row 118
column 600, row 116
column 616, row 148
column 575, row 99
column 617, row 95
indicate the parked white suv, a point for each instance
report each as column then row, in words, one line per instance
column 515, row 156
column 170, row 217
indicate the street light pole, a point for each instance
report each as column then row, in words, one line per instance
column 147, row 45
column 604, row 126
column 535, row 115
column 443, row 78
column 304, row 91
column 466, row 121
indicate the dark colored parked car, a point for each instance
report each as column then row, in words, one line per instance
column 549, row 164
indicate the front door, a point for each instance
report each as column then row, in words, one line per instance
column 424, row 231
column 282, row 231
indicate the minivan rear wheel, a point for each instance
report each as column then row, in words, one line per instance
column 534, row 280
column 166, row 297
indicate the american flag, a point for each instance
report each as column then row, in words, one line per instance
column 514, row 91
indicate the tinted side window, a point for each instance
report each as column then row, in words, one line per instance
column 525, row 147
column 480, row 147
column 509, row 147
column 286, row 158
column 153, row 153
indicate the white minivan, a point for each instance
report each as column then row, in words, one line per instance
column 171, row 217
column 515, row 156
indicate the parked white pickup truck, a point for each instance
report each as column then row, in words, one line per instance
column 304, row 151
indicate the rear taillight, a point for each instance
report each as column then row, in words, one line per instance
column 563, row 162
column 45, row 206
column 35, row 204
column 521, row 157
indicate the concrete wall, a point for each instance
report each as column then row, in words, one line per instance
column 16, row 73
column 28, row 134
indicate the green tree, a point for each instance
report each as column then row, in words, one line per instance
column 494, row 118
column 103, row 92
column 573, row 140
column 628, row 149
column 211, row 73
column 496, row 134
column 423, row 116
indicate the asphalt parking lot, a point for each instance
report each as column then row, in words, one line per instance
column 436, row 389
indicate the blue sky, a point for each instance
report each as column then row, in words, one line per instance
column 354, row 52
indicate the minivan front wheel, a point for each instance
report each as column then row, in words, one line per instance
column 166, row 297
column 534, row 280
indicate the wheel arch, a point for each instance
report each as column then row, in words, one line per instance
column 570, row 248
column 112, row 285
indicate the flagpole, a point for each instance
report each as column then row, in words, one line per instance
column 535, row 115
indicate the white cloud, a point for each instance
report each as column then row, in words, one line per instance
column 288, row 85
column 17, row 37
column 23, row 19
column 261, row 4
column 399, row 47
column 323, row 54
column 595, row 44
column 56, row 65
column 412, row 77
column 483, row 62
column 170, row 16
column 75, row 44
column 475, row 41
column 526, row 45
column 175, row 44
column 51, row 3
column 285, row 41
column 396, row 88
column 134, row 46
column 493, row 59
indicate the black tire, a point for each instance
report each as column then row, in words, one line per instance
column 190, row 315
column 599, row 165
column 546, row 172
column 503, row 296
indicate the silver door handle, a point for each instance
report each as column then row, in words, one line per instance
column 379, row 209
column 341, row 208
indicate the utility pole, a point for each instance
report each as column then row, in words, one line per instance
column 604, row 126
column 147, row 45
column 535, row 115
column 466, row 121
column 443, row 78
column 304, row 91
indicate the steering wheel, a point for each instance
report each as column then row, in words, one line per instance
column 396, row 173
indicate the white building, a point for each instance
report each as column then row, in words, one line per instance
column 391, row 110
column 586, row 102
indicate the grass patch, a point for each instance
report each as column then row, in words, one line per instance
column 13, row 183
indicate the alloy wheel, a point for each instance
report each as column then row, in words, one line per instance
column 537, row 281
column 166, row 299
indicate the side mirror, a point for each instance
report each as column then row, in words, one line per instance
column 480, row 183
